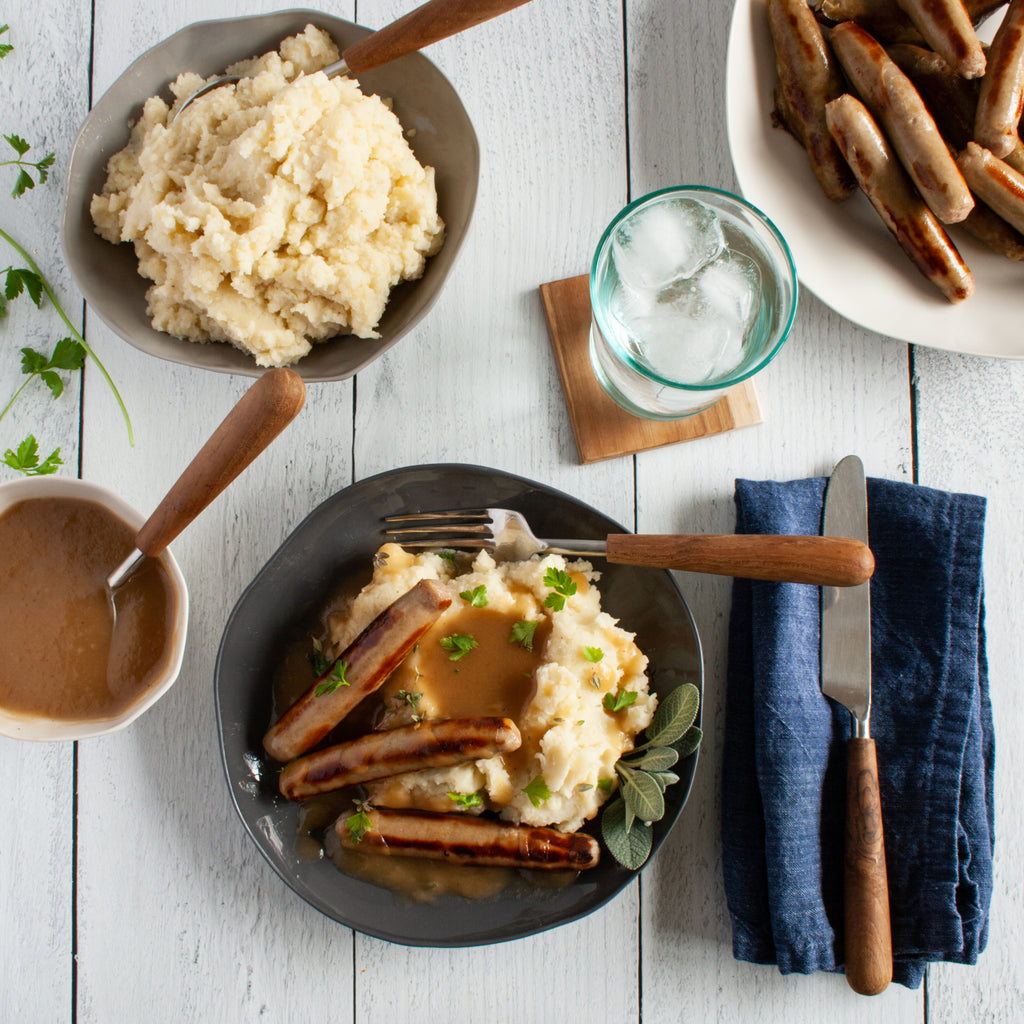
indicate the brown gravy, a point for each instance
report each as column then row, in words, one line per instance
column 62, row 658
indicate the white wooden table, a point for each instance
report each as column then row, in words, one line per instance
column 128, row 890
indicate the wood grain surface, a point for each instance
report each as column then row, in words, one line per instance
column 130, row 891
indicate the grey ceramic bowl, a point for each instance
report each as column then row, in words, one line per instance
column 333, row 547
column 424, row 101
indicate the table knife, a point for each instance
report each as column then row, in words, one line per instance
column 846, row 678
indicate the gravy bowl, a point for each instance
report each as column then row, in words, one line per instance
column 19, row 724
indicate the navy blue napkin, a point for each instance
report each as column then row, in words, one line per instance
column 783, row 785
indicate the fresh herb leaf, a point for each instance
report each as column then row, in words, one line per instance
column 18, row 278
column 618, row 701
column 653, row 759
column 477, row 597
column 24, row 181
column 522, row 633
column 562, row 585
column 458, row 645
column 411, row 699
column 334, row 680
column 595, row 682
column 359, row 824
column 26, row 459
column 605, row 784
column 630, row 844
column 675, row 714
column 537, row 791
column 584, row 787
column 318, row 661
column 464, row 801
column 644, row 776
column 447, row 554
column 594, row 654
column 5, row 48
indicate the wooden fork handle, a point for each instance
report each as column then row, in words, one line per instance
column 258, row 417
column 824, row 561
column 433, row 21
column 868, row 933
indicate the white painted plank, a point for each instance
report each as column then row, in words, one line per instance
column 36, row 842
column 214, row 934
column 832, row 390
column 970, row 420
column 476, row 383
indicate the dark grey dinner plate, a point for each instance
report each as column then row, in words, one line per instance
column 336, row 543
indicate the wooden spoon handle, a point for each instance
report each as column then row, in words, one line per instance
column 260, row 415
column 824, row 561
column 435, row 20
column 868, row 933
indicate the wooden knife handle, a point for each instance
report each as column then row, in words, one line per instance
column 824, row 561
column 868, row 933
column 433, row 21
column 258, row 417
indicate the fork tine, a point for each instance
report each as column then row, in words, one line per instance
column 483, row 530
column 467, row 543
column 445, row 515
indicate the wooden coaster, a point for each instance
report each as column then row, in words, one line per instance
column 603, row 429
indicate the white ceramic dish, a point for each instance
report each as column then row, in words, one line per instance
column 842, row 251
column 33, row 728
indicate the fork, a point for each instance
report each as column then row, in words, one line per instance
column 823, row 561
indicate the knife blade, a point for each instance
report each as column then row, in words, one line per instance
column 846, row 678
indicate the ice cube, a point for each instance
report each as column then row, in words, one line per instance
column 731, row 287
column 685, row 349
column 666, row 242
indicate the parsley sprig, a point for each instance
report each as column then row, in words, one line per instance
column 458, row 645
column 359, row 823
column 334, row 680
column 464, row 801
column 24, row 179
column 563, row 586
column 646, row 773
column 5, row 48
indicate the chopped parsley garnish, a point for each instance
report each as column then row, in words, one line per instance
column 618, row 701
column 466, row 800
column 458, row 645
column 594, row 654
column 562, row 585
column 537, row 791
column 335, row 679
column 477, row 597
column 522, row 633
column 411, row 699
column 359, row 824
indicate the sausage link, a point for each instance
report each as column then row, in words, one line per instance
column 432, row 744
column 887, row 22
column 992, row 231
column 808, row 78
column 892, row 99
column 995, row 182
column 464, row 839
column 947, row 29
column 902, row 210
column 1002, row 89
column 368, row 661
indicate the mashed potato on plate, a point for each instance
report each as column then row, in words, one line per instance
column 565, row 768
column 274, row 213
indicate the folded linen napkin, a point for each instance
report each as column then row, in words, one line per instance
column 783, row 786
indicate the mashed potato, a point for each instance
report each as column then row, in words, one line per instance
column 566, row 766
column 271, row 217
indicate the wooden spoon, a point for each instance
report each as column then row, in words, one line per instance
column 260, row 415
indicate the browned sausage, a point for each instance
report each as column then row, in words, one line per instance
column 463, row 839
column 891, row 193
column 992, row 231
column 431, row 744
column 886, row 22
column 892, row 99
column 947, row 29
column 808, row 78
column 1002, row 89
column 995, row 183
column 368, row 661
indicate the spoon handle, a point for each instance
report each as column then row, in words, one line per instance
column 824, row 561
column 434, row 20
column 260, row 415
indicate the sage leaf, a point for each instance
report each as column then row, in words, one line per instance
column 665, row 779
column 690, row 741
column 629, row 846
column 675, row 714
column 654, row 759
column 642, row 794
